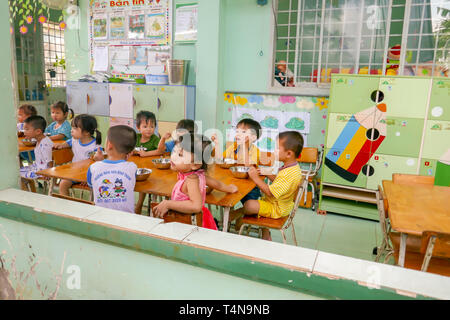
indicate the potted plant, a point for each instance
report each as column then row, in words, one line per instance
column 56, row 64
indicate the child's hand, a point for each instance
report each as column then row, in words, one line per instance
column 99, row 155
column 214, row 138
column 161, row 209
column 168, row 135
column 58, row 146
column 232, row 188
column 253, row 173
column 142, row 153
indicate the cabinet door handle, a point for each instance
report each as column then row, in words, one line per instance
column 159, row 103
column 134, row 102
column 88, row 99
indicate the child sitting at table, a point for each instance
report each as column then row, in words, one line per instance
column 84, row 128
column 25, row 111
column 244, row 149
column 147, row 140
column 279, row 196
column 34, row 127
column 190, row 158
column 113, row 180
column 60, row 128
column 183, row 126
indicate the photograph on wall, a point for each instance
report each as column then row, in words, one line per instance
column 156, row 28
column 117, row 26
column 100, row 31
column 136, row 25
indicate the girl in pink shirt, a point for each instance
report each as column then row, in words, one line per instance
column 189, row 158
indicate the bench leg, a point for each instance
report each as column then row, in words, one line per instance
column 401, row 257
column 226, row 218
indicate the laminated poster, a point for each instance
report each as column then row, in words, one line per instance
column 136, row 25
column 117, row 26
column 100, row 31
column 156, row 27
column 186, row 22
column 138, row 56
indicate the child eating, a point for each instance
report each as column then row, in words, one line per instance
column 147, row 140
column 183, row 126
column 189, row 158
column 84, row 128
column 25, row 111
column 34, row 127
column 60, row 128
column 113, row 180
column 278, row 198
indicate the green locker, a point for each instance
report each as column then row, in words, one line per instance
column 103, row 126
column 405, row 97
column 352, row 94
column 145, row 98
column 403, row 137
column 172, row 103
column 437, row 139
column 427, row 167
column 385, row 165
column 337, row 123
column 440, row 100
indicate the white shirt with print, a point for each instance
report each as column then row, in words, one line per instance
column 43, row 154
column 81, row 151
column 113, row 184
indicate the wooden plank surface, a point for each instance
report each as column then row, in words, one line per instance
column 160, row 182
column 23, row 147
column 415, row 208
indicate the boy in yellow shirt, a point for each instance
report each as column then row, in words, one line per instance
column 278, row 197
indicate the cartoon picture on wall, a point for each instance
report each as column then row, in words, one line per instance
column 358, row 141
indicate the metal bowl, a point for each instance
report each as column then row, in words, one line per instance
column 209, row 189
column 29, row 142
column 142, row 174
column 226, row 163
column 240, row 172
column 137, row 149
column 161, row 163
column 92, row 154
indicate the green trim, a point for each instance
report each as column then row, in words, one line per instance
column 247, row 268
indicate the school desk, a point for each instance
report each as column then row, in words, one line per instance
column 415, row 208
column 161, row 182
column 24, row 148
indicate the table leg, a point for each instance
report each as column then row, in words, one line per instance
column 401, row 256
column 50, row 187
column 226, row 218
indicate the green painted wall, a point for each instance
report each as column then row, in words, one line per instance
column 8, row 137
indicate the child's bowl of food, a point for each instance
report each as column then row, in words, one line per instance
column 161, row 163
column 142, row 174
column 92, row 154
column 240, row 172
column 29, row 142
column 20, row 134
column 209, row 189
column 137, row 149
column 226, row 163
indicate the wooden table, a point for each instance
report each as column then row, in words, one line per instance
column 161, row 182
column 28, row 149
column 416, row 208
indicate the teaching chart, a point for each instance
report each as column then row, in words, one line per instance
column 186, row 22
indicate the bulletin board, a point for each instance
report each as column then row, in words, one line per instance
column 130, row 39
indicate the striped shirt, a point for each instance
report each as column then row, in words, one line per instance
column 234, row 151
column 283, row 189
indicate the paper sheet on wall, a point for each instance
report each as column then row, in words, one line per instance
column 156, row 27
column 100, row 59
column 186, row 22
column 117, row 28
column 136, row 25
column 99, row 26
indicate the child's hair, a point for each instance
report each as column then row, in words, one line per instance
column 292, row 140
column 88, row 123
column 188, row 125
column 37, row 122
column 123, row 138
column 252, row 124
column 199, row 145
column 28, row 109
column 145, row 116
column 63, row 107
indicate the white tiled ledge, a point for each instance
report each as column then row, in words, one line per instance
column 404, row 281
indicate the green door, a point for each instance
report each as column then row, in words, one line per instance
column 145, row 98
column 351, row 94
column 385, row 165
column 172, row 103
column 440, row 100
column 403, row 137
column 405, row 97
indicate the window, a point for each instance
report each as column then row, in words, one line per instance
column 315, row 38
column 54, row 54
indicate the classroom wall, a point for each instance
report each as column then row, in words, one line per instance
column 8, row 137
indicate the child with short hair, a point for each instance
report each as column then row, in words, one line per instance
column 146, row 139
column 279, row 196
column 60, row 128
column 243, row 149
column 113, row 180
column 25, row 111
column 84, row 128
column 183, row 126
column 190, row 158
column 34, row 127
